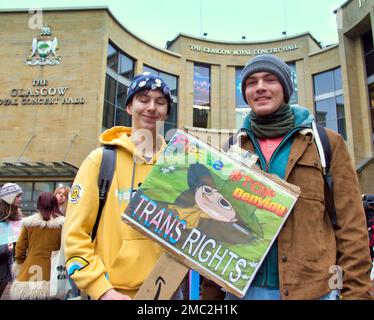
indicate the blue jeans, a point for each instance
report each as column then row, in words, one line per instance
column 259, row 293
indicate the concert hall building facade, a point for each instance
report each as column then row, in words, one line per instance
column 64, row 84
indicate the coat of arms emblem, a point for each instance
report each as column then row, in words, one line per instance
column 44, row 49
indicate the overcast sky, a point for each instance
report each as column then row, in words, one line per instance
column 158, row 21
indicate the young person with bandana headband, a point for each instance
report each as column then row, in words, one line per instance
column 309, row 251
column 117, row 262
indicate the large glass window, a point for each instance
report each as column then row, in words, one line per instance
column 172, row 82
column 201, row 85
column 126, row 68
column 294, row 97
column 240, row 103
column 120, row 72
column 201, row 95
column 200, row 118
column 329, row 101
column 112, row 58
column 367, row 40
column 323, row 83
column 40, row 187
column 242, row 109
column 109, row 102
column 371, row 97
column 32, row 190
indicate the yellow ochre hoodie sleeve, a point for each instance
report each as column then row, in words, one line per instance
column 83, row 265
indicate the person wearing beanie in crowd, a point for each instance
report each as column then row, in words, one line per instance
column 40, row 235
column 10, row 210
column 10, row 202
column 116, row 263
column 310, row 259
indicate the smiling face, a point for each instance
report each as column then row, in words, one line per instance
column 264, row 93
column 211, row 202
column 147, row 108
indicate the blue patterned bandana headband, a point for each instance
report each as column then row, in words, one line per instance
column 148, row 81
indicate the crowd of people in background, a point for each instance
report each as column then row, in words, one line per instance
column 25, row 264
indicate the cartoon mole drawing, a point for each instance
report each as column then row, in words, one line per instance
column 203, row 206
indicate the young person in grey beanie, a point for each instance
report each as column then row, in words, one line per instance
column 311, row 259
column 115, row 264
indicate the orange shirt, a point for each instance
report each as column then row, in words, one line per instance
column 268, row 146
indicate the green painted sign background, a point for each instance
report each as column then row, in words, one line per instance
column 216, row 214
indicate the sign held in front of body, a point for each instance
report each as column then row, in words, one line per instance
column 214, row 213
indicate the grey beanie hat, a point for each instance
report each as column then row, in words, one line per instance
column 9, row 192
column 274, row 65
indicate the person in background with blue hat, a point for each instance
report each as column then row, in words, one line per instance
column 116, row 263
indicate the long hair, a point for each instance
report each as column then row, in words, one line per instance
column 9, row 212
column 66, row 193
column 48, row 206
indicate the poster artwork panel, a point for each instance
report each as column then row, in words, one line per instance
column 212, row 212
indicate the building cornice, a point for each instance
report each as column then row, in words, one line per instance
column 95, row 8
column 282, row 39
column 343, row 5
column 330, row 47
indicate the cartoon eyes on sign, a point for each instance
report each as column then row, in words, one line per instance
column 206, row 208
column 214, row 204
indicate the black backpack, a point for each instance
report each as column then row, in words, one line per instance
column 108, row 165
column 329, row 194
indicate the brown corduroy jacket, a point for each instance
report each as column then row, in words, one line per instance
column 310, row 251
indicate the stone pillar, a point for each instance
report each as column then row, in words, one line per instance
column 185, row 106
column 231, row 98
column 351, row 57
column 139, row 66
column 215, row 98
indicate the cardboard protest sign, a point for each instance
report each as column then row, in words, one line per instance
column 164, row 280
column 9, row 231
column 212, row 212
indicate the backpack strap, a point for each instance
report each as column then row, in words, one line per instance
column 108, row 165
column 325, row 153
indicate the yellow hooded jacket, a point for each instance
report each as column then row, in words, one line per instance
column 120, row 257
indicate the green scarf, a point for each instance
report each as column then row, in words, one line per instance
column 275, row 125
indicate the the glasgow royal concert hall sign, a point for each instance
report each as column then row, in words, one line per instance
column 243, row 52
